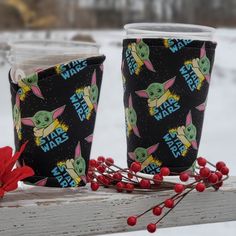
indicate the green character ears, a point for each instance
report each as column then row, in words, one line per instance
column 143, row 53
column 79, row 163
column 16, row 110
column 156, row 90
column 204, row 64
column 190, row 131
column 140, row 154
column 32, row 82
column 42, row 119
column 132, row 117
column 93, row 92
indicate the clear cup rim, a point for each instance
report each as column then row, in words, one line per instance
column 144, row 29
column 56, row 45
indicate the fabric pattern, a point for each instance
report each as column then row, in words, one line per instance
column 166, row 83
column 55, row 110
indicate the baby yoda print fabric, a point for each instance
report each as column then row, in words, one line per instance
column 166, row 83
column 55, row 110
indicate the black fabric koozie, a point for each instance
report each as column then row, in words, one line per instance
column 55, row 110
column 166, row 83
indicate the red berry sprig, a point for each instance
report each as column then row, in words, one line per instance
column 203, row 179
column 104, row 172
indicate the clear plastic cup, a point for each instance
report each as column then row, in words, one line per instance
column 62, row 79
column 28, row 56
column 161, row 61
column 169, row 30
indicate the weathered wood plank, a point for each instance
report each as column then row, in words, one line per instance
column 46, row 211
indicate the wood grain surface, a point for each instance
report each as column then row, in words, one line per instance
column 47, row 211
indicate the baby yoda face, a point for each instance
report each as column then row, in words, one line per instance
column 131, row 116
column 204, row 65
column 93, row 93
column 190, row 132
column 80, row 166
column 142, row 50
column 42, row 119
column 155, row 90
column 31, row 80
column 141, row 154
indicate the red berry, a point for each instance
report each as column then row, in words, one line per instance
column 109, row 161
column 151, row 228
column 224, row 170
column 90, row 174
column 103, row 180
column 197, row 178
column 89, row 179
column 157, row 211
column 132, row 220
column 213, row 178
column 144, row 183
column 169, row 203
column 201, row 161
column 130, row 175
column 136, row 167
column 94, row 186
column 120, row 186
column 92, row 163
column 205, row 172
column 219, row 165
column 184, row 176
column 106, row 181
column 108, row 176
column 218, row 185
column 101, row 159
column 101, row 169
column 158, row 178
column 165, row 171
column 179, row 188
column 117, row 176
column 220, row 176
column 200, row 187
column 129, row 188
column 100, row 178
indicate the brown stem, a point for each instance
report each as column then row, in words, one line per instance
column 124, row 176
column 142, row 177
column 155, row 206
column 181, row 198
column 211, row 164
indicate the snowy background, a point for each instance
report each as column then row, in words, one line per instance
column 218, row 140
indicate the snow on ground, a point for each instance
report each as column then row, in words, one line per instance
column 219, row 127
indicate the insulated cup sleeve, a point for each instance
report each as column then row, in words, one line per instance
column 55, row 110
column 166, row 83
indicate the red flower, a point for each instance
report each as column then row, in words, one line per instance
column 9, row 177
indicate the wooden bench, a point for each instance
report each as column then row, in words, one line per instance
column 47, row 211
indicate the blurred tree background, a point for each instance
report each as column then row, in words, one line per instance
column 91, row 14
